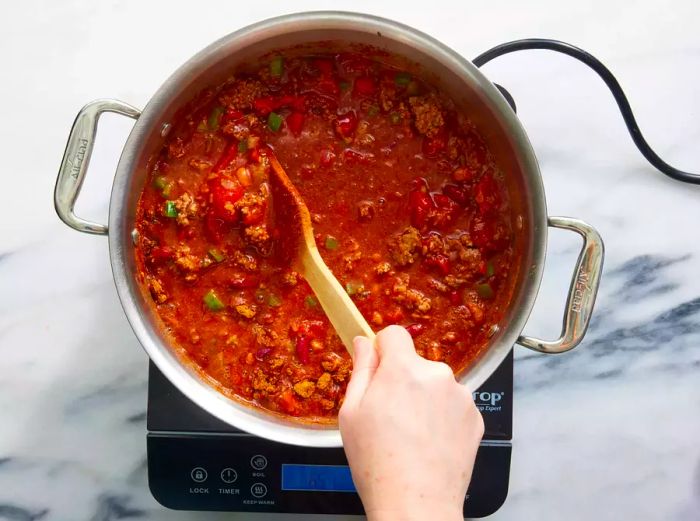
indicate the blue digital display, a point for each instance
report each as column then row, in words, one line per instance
column 317, row 478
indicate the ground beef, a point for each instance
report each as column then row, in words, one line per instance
column 258, row 236
column 382, row 268
column 185, row 260
column 404, row 248
column 247, row 262
column 157, row 290
column 305, row 388
column 241, row 93
column 427, row 113
column 186, row 207
column 245, row 310
column 262, row 383
column 323, row 381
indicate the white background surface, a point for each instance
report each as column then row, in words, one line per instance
column 586, row 446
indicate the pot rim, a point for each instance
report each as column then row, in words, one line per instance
column 235, row 413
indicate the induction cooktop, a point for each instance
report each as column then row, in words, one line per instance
column 197, row 462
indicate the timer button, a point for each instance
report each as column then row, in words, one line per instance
column 258, row 490
column 229, row 475
column 258, row 462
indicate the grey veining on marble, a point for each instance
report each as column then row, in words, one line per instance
column 609, row 431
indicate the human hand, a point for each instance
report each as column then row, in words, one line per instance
column 410, row 431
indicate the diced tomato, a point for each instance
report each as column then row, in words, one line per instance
column 476, row 151
column 160, row 255
column 487, row 195
column 415, row 329
column 161, row 166
column 327, row 157
column 394, row 316
column 288, row 403
column 224, row 194
column 186, row 233
column 231, row 115
column 229, row 155
column 267, row 104
column 236, row 377
column 303, row 348
column 455, row 297
column 463, row 174
column 312, row 328
column 364, row 86
column 297, row 103
column 490, row 235
column 318, row 102
column 244, row 281
column 264, row 106
column 421, row 212
column 459, row 194
column 254, row 215
column 446, row 211
column 295, row 121
column 214, row 228
column 432, row 146
column 345, row 124
column 439, row 261
column 325, row 67
column 356, row 157
column 352, row 63
column 421, row 205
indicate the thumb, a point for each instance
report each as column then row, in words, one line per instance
column 364, row 366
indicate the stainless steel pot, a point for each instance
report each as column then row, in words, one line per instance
column 456, row 76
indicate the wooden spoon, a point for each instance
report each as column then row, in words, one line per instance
column 298, row 248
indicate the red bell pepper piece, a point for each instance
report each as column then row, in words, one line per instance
column 231, row 115
column 432, row 146
column 364, row 86
column 439, row 261
column 303, row 348
column 486, row 194
column 224, row 193
column 264, row 106
column 295, row 122
column 229, row 155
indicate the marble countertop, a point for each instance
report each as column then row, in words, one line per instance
column 609, row 431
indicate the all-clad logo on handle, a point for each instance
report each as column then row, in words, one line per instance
column 579, row 291
column 78, row 158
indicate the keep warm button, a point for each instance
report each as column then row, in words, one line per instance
column 258, row 490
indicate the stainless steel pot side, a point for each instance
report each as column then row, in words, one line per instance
column 459, row 78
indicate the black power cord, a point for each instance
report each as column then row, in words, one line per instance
column 612, row 83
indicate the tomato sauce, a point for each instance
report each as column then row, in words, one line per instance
column 409, row 212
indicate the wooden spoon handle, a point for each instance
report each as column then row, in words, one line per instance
column 339, row 307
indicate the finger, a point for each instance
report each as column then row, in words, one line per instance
column 364, row 366
column 394, row 342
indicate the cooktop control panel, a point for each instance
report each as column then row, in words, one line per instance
column 247, row 474
column 196, row 462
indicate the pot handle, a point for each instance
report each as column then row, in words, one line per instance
column 76, row 159
column 582, row 292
